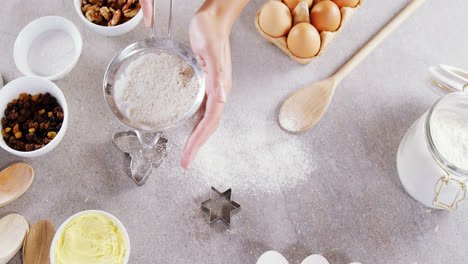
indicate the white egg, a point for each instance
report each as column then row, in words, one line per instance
column 315, row 259
column 271, row 257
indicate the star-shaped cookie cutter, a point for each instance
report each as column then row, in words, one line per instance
column 142, row 160
column 226, row 207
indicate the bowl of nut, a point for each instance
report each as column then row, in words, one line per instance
column 34, row 116
column 109, row 17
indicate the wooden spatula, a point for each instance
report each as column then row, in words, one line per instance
column 13, row 229
column 36, row 246
column 307, row 106
column 14, row 181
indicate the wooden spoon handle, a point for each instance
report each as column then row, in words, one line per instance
column 377, row 39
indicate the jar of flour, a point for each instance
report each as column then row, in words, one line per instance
column 432, row 159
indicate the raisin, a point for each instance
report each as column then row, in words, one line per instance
column 31, row 122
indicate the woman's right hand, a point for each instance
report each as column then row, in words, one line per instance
column 147, row 6
column 209, row 32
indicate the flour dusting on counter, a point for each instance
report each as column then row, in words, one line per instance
column 252, row 156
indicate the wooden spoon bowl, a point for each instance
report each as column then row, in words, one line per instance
column 13, row 229
column 14, row 181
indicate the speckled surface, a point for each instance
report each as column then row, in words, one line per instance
column 349, row 206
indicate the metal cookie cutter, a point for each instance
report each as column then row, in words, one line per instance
column 220, row 207
column 142, row 160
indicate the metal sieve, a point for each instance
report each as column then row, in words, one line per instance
column 149, row 136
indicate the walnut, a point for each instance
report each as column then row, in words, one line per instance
column 131, row 12
column 127, row 5
column 110, row 12
column 96, row 2
column 94, row 15
column 106, row 13
column 115, row 19
column 85, row 7
column 116, row 4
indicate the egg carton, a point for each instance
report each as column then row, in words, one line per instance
column 302, row 14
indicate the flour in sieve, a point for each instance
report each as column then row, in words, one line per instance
column 156, row 90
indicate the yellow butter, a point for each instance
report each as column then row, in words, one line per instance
column 91, row 238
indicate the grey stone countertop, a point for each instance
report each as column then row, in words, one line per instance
column 332, row 190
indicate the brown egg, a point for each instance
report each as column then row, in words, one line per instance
column 325, row 16
column 275, row 19
column 346, row 3
column 293, row 3
column 304, row 40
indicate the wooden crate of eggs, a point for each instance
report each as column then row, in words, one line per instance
column 304, row 29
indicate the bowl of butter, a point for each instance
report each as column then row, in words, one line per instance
column 90, row 236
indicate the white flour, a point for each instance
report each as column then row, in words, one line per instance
column 156, row 90
column 248, row 154
column 450, row 135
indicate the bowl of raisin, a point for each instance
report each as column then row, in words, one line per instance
column 34, row 117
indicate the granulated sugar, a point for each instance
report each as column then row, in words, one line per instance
column 156, row 89
column 249, row 154
column 450, row 134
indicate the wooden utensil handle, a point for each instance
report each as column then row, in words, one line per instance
column 377, row 39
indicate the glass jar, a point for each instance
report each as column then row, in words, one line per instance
column 424, row 172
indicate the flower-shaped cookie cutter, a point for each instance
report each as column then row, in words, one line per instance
column 142, row 159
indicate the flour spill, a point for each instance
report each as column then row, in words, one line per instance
column 248, row 155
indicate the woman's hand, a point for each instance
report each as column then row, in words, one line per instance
column 210, row 43
column 209, row 37
column 147, row 6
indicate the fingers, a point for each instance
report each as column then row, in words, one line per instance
column 217, row 66
column 201, row 61
column 216, row 78
column 147, row 6
column 202, row 131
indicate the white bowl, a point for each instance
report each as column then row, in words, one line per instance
column 109, row 31
column 29, row 37
column 33, row 85
column 62, row 227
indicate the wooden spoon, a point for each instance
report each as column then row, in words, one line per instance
column 14, row 181
column 306, row 107
column 36, row 246
column 13, row 229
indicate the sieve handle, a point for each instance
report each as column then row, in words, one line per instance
column 169, row 27
column 148, row 140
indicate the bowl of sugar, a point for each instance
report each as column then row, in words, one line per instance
column 48, row 47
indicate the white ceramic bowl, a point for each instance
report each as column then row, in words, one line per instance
column 41, row 26
column 109, row 31
column 33, row 85
column 62, row 227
